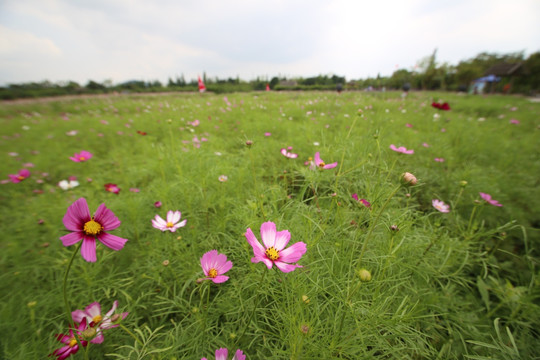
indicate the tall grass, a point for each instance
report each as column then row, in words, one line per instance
column 451, row 285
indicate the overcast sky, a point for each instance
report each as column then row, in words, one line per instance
column 122, row 40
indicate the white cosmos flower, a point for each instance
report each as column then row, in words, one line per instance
column 68, row 184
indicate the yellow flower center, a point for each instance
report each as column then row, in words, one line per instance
column 321, row 164
column 82, row 158
column 169, row 224
column 72, row 342
column 272, row 253
column 97, row 319
column 20, row 177
column 310, row 158
column 212, row 273
column 92, row 228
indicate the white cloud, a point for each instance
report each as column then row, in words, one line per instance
column 136, row 39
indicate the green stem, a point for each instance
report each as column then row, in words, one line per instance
column 253, row 312
column 368, row 236
column 66, row 301
column 131, row 334
column 471, row 218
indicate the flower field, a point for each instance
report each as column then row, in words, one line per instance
column 270, row 225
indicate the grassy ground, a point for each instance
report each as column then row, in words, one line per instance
column 454, row 285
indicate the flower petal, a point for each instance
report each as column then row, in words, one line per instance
column 258, row 249
column 106, row 218
column 78, row 315
column 282, row 239
column 330, row 166
column 72, row 238
column 88, row 249
column 317, row 158
column 268, row 234
column 207, row 260
column 293, row 253
column 286, row 267
column 112, row 241
column 76, row 215
column 220, row 279
column 224, row 267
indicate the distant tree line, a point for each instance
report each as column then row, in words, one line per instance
column 426, row 75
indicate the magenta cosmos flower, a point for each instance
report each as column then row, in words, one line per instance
column 112, row 188
column 93, row 317
column 71, row 346
column 20, row 176
column 222, row 353
column 82, row 156
column 89, row 228
column 363, row 201
column 286, row 152
column 319, row 163
column 488, row 198
column 215, row 265
column 440, row 205
column 172, row 224
column 273, row 251
column 401, row 149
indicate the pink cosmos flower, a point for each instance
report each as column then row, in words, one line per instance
column 363, row 201
column 87, row 228
column 172, row 224
column 408, row 125
column 157, row 204
column 267, row 134
column 425, row 145
column 222, row 353
column 440, row 205
column 214, row 265
column 488, row 198
column 514, row 121
column 20, row 176
column 135, row 190
column 273, row 251
column 288, row 154
column 112, row 188
column 93, row 317
column 71, row 346
column 319, row 163
column 401, row 149
column 439, row 159
column 82, row 156
column 223, row 178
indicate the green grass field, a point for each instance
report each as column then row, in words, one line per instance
column 457, row 285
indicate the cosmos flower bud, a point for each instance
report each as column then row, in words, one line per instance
column 115, row 318
column 463, row 183
column 89, row 333
column 364, row 275
column 249, row 143
column 408, row 178
column 305, row 329
column 394, row 228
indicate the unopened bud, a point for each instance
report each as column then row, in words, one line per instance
column 31, row 304
column 249, row 142
column 305, row 299
column 408, row 178
column 364, row 275
column 304, row 329
column 394, row 228
column 462, row 183
column 165, row 262
column 89, row 333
